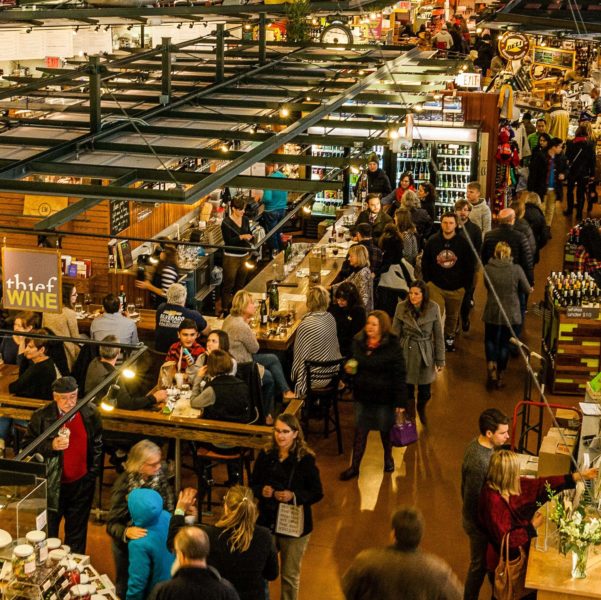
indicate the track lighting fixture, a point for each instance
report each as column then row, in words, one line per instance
column 130, row 27
column 180, row 26
column 28, row 30
column 225, row 146
column 97, row 28
column 284, row 112
column 107, row 27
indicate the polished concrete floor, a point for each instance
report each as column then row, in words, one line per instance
column 356, row 514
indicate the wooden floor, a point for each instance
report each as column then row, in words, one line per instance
column 356, row 514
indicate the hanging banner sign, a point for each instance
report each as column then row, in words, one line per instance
column 31, row 280
column 513, row 45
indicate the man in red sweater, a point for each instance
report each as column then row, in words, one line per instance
column 73, row 459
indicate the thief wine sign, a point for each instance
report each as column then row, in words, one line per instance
column 31, row 280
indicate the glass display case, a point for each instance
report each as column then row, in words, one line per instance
column 23, row 505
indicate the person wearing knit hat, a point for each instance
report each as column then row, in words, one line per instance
column 72, row 456
column 377, row 180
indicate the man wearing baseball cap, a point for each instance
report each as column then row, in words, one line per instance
column 72, row 457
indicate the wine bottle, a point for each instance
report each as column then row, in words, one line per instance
column 274, row 296
column 122, row 298
column 263, row 312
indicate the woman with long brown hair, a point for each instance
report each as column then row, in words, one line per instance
column 378, row 388
column 285, row 472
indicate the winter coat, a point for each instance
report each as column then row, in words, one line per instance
column 517, row 241
column 391, row 573
column 244, row 570
column 507, row 279
column 119, row 517
column 299, row 476
column 524, row 227
column 194, row 583
column 349, row 322
column 43, row 418
column 536, row 219
column 98, row 371
column 480, row 215
column 538, row 177
column 378, row 182
column 149, row 560
column 377, row 227
column 380, row 377
column 580, row 154
column 422, row 341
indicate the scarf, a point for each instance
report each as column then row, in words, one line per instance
column 157, row 482
column 400, row 192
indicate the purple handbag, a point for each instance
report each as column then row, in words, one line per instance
column 403, row 434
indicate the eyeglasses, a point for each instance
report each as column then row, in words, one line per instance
column 283, row 431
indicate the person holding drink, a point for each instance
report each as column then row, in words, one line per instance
column 73, row 461
column 186, row 350
column 379, row 389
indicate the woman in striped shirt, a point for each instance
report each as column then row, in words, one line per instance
column 316, row 339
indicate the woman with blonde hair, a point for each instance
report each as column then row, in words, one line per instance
column 143, row 469
column 244, row 347
column 504, row 280
column 315, row 340
column 361, row 277
column 284, row 473
column 243, row 552
column 509, row 503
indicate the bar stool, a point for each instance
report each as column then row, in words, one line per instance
column 322, row 402
column 209, row 458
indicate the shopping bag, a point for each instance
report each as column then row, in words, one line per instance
column 403, row 434
column 510, row 575
column 290, row 520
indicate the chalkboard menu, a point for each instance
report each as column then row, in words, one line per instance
column 119, row 216
column 554, row 57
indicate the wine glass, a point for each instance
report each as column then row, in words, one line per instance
column 139, row 302
column 131, row 309
column 272, row 316
column 87, row 300
column 335, row 250
column 78, row 308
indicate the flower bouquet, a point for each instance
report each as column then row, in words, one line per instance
column 577, row 528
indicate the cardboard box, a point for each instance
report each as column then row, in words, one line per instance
column 555, row 455
column 528, row 465
column 567, row 418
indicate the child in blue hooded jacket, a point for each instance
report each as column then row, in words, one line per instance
column 149, row 560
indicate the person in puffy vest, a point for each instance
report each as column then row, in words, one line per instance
column 225, row 397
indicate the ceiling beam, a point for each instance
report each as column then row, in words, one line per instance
column 70, row 212
column 223, row 176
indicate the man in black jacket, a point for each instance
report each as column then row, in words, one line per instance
column 468, row 229
column 517, row 241
column 73, row 460
column 377, row 180
column 543, row 174
column 375, row 216
column 193, row 579
column 448, row 267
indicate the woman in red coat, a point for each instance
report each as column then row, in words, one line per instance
column 508, row 503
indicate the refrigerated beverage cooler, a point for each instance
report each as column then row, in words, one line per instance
column 449, row 165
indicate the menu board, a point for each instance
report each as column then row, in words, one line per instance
column 554, row 57
column 119, row 216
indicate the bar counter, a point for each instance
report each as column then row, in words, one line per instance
column 152, row 422
column 293, row 298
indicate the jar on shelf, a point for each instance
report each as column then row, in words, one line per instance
column 23, row 561
column 72, row 574
column 37, row 539
column 55, row 556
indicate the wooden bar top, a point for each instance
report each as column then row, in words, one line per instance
column 550, row 574
column 148, row 422
column 294, row 297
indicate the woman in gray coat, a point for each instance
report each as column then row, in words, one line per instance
column 507, row 279
column 419, row 327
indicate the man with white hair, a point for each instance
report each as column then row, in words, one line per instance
column 170, row 314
